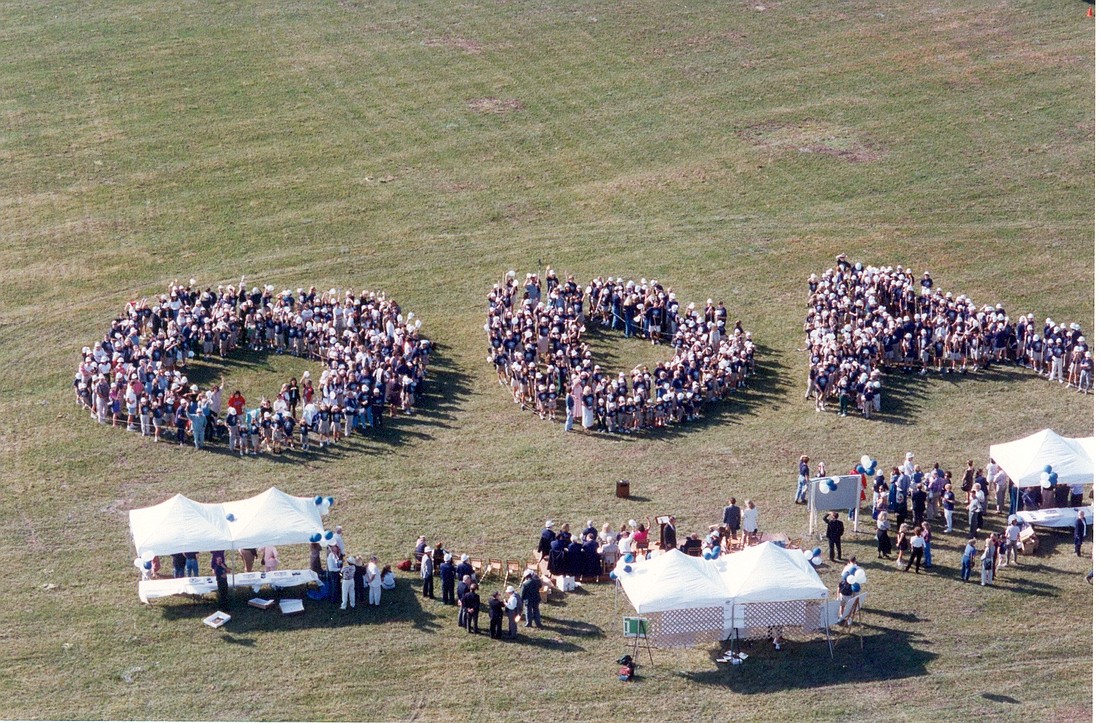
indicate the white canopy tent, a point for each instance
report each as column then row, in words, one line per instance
column 182, row 525
column 769, row 573
column 672, row 581
column 1024, row 459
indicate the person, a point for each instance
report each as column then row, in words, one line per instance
column 969, row 551
column 496, row 616
column 191, row 564
column 1076, row 494
column 1080, row 532
column 668, row 534
column 749, row 521
column 989, row 559
column 511, row 610
column 926, row 535
column 1012, row 541
column 545, row 539
column 418, row 551
column 903, row 543
column 464, row 568
column 471, row 603
column 803, row 480
column 949, row 507
column 834, row 529
column 333, row 565
column 179, row 565
column 885, row 546
column 731, row 518
column 920, row 503
column 447, row 579
column 974, row 509
column 463, row 587
column 389, row 580
column 529, row 592
column 248, row 556
column 271, row 559
column 427, row 574
column 916, row 551
column 373, row 580
column 220, row 570
column 347, row 583
column 315, row 559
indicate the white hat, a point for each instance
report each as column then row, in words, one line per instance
column 549, row 524
column 465, row 557
column 446, row 557
column 509, row 589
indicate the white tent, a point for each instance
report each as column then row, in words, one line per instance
column 273, row 518
column 1024, row 459
column 179, row 525
column 183, row 525
column 672, row 581
column 769, row 573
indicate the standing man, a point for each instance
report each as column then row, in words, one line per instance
column 920, row 504
column 333, row 565
column 427, row 574
column 1080, row 532
column 1012, row 538
column 447, row 579
column 471, row 603
column 968, row 559
column 374, row 582
column 496, row 616
column 803, row 480
column 529, row 593
column 347, row 584
column 731, row 518
column 834, row 530
column 220, row 569
column 668, row 535
column 511, row 609
column 975, row 511
column 547, row 537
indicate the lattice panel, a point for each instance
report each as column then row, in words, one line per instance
column 765, row 614
column 686, row 628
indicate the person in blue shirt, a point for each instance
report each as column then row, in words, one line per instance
column 968, row 559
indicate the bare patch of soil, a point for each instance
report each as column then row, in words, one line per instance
column 813, row 136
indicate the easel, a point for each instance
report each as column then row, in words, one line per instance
column 638, row 628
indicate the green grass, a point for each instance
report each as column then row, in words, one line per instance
column 728, row 150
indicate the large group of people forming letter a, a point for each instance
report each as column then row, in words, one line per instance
column 862, row 319
column 535, row 331
column 372, row 356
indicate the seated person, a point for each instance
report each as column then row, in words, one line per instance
column 691, row 543
column 557, row 558
column 418, row 553
column 389, row 582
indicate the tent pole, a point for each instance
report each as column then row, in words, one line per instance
column 828, row 634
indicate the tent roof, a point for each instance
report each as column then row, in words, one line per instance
column 183, row 525
column 769, row 573
column 672, row 581
column 762, row 573
column 1024, row 459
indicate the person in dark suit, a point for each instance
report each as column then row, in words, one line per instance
column 548, row 536
column 220, row 569
column 1080, row 532
column 668, row 535
column 471, row 603
column 463, row 588
column 496, row 616
column 834, row 530
column 731, row 518
column 447, row 579
column 464, row 568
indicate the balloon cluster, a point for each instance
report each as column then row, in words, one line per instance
column 857, row 578
column 813, row 556
column 867, row 465
column 827, row 485
column 713, row 553
column 325, row 503
column 1049, row 478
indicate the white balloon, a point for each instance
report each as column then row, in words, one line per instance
column 865, row 460
column 147, row 556
column 860, row 576
column 823, row 486
column 809, row 554
column 816, row 561
column 851, row 579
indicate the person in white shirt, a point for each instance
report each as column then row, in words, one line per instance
column 347, row 583
column 1012, row 538
column 749, row 520
column 907, row 467
column 511, row 609
column 373, row 580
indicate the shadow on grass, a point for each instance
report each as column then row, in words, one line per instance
column 997, row 698
column 398, row 605
column 887, row 655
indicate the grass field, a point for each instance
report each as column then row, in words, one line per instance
column 423, row 148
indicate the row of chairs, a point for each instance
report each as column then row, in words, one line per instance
column 488, row 567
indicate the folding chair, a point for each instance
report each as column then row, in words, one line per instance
column 512, row 567
column 477, row 564
column 494, row 568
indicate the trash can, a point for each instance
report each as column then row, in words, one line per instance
column 622, row 488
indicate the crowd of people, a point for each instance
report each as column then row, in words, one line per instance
column 863, row 320
column 372, row 357
column 535, row 330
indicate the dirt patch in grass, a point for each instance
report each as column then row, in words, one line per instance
column 456, row 42
column 494, row 105
column 814, row 136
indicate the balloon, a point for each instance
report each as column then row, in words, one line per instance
column 809, row 554
column 861, row 469
column 629, row 558
column 1048, row 469
column 329, row 535
column 231, row 517
column 816, row 560
column 706, row 555
column 855, row 587
column 315, row 537
column 860, row 575
column 851, row 579
column 613, row 575
column 817, row 552
column 627, row 568
column 865, row 460
column 147, row 556
column 147, row 565
column 874, row 464
column 823, row 487
column 331, row 501
column 318, row 500
column 1054, row 478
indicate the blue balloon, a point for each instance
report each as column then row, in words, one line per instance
column 613, row 575
column 318, row 500
column 1047, row 469
column 627, row 568
column 329, row 535
column 230, row 517
column 855, row 587
column 315, row 537
column 1053, row 477
column 817, row 552
column 874, row 463
column 861, row 469
column 629, row 558
column 331, row 501
column 148, row 565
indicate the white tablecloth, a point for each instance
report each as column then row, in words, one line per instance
column 152, row 589
column 1055, row 516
